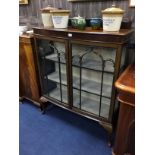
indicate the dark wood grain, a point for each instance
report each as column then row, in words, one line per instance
column 125, row 135
column 28, row 79
column 98, row 35
column 126, row 81
column 126, row 118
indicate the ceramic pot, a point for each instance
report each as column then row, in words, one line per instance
column 95, row 23
column 78, row 22
column 112, row 18
column 60, row 18
column 47, row 16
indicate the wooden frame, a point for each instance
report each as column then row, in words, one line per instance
column 131, row 3
column 23, row 1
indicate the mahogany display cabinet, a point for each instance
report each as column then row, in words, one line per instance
column 77, row 70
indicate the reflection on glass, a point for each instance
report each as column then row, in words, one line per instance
column 92, row 71
column 53, row 69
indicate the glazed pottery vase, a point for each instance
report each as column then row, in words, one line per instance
column 78, row 23
column 95, row 23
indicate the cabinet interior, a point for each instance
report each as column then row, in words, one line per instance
column 92, row 75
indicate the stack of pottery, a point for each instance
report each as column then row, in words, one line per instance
column 47, row 16
column 112, row 18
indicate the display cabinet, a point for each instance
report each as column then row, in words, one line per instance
column 78, row 69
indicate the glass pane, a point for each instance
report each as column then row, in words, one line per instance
column 53, row 69
column 56, row 93
column 91, row 81
column 91, row 103
column 92, row 71
column 92, row 57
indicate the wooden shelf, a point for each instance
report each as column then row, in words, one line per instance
column 87, row 104
column 55, row 93
column 89, row 64
column 87, row 85
column 54, row 58
column 55, row 77
column 94, row 65
column 91, row 104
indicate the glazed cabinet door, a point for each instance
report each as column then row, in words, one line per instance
column 92, row 78
column 52, row 62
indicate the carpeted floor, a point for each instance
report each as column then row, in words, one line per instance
column 59, row 132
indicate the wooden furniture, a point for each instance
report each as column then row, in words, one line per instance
column 125, row 135
column 28, row 80
column 78, row 68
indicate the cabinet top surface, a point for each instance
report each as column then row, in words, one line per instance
column 89, row 30
column 26, row 36
column 126, row 81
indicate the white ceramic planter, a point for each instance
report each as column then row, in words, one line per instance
column 47, row 19
column 112, row 18
column 60, row 21
column 47, row 16
column 112, row 22
column 60, row 18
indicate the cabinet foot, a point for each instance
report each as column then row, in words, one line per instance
column 42, row 110
column 109, row 129
column 20, row 99
column 113, row 153
column 110, row 139
column 43, row 105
